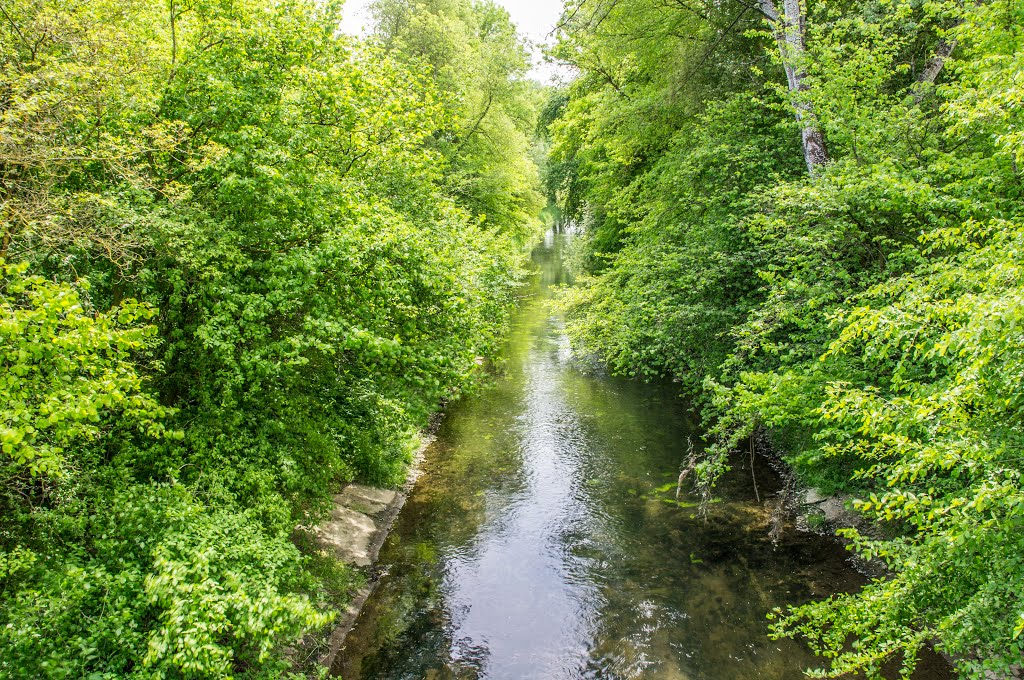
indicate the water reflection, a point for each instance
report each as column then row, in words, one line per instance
column 543, row 539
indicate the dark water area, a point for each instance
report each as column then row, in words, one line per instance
column 543, row 538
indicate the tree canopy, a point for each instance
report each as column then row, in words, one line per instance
column 860, row 305
column 243, row 259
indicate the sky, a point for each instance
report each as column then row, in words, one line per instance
column 535, row 19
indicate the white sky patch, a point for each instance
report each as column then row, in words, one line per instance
column 535, row 19
column 355, row 19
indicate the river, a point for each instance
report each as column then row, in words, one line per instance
column 543, row 538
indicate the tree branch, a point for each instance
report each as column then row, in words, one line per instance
column 476, row 126
column 942, row 53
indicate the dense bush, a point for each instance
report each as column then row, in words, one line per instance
column 864, row 310
column 235, row 274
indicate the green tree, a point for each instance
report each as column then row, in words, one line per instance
column 65, row 372
column 479, row 64
column 244, row 276
column 863, row 313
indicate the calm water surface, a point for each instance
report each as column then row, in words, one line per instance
column 543, row 539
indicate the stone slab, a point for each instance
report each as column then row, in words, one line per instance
column 366, row 499
column 350, row 533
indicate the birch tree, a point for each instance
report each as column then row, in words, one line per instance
column 790, row 31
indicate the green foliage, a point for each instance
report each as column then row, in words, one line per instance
column 478, row 63
column 660, row 165
column 157, row 584
column 250, row 267
column 64, row 372
column 941, row 428
column 682, row 278
column 868, row 317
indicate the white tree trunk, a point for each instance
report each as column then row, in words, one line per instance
column 789, row 33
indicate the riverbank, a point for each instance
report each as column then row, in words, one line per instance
column 813, row 511
column 355, row 531
column 827, row 514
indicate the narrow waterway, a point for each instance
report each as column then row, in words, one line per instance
column 543, row 539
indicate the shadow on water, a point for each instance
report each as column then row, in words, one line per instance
column 543, row 539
